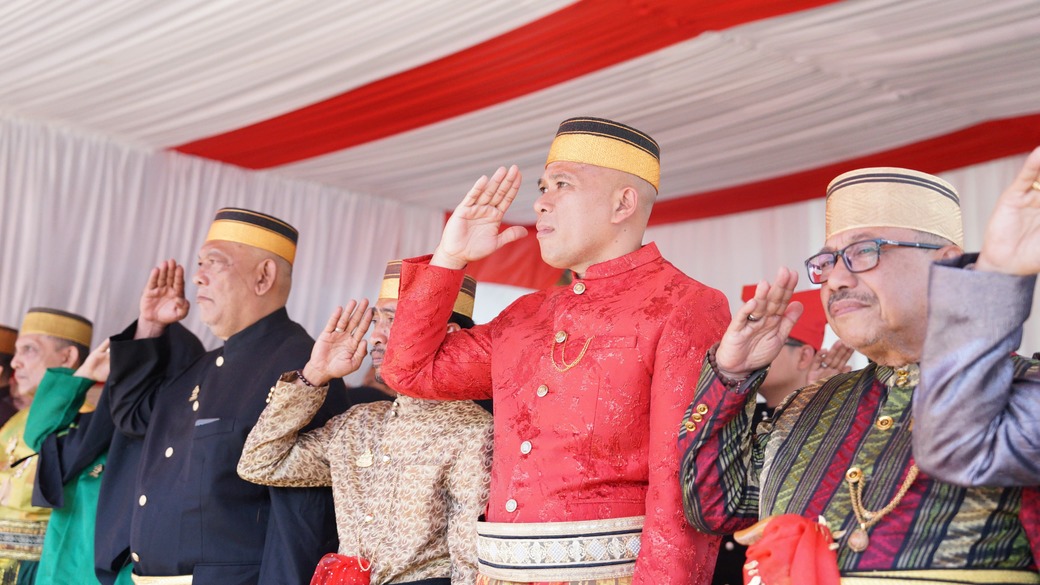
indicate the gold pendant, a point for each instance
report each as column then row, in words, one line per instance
column 859, row 540
column 365, row 459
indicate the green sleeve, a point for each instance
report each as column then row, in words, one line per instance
column 58, row 400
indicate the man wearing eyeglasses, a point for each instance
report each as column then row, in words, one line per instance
column 840, row 451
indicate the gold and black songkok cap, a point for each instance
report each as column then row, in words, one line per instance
column 391, row 289
column 255, row 229
column 8, row 336
column 608, row 144
column 60, row 324
column 894, row 197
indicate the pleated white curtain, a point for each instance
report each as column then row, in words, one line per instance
column 84, row 218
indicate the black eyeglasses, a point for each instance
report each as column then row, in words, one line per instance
column 858, row 257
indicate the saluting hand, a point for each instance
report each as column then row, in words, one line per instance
column 471, row 232
column 341, row 347
column 1012, row 241
column 828, row 362
column 759, row 329
column 163, row 301
column 95, row 367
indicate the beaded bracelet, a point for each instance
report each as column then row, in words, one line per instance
column 726, row 381
column 306, row 382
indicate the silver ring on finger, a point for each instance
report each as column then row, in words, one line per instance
column 338, row 330
column 753, row 318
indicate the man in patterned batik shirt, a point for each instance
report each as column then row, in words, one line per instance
column 841, row 450
column 410, row 477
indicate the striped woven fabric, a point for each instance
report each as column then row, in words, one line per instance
column 797, row 464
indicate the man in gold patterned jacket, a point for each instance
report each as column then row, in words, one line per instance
column 410, row 477
column 48, row 338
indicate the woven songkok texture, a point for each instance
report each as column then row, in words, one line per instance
column 255, row 229
column 60, row 324
column 392, row 287
column 893, row 197
column 607, row 144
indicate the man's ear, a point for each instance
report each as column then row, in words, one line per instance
column 626, row 202
column 453, row 327
column 266, row 275
column 805, row 357
column 70, row 356
column 950, row 252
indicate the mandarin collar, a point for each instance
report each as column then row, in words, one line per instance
column 269, row 327
column 644, row 255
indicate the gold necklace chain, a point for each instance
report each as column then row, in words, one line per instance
column 859, row 540
column 563, row 355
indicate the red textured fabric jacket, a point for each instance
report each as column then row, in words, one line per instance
column 591, row 442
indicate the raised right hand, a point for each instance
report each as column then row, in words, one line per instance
column 340, row 347
column 471, row 232
column 162, row 301
column 759, row 329
column 95, row 367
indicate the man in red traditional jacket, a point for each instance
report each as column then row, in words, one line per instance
column 588, row 380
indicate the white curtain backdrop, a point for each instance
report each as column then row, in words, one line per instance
column 83, row 219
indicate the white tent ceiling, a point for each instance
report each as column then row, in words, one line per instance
column 765, row 98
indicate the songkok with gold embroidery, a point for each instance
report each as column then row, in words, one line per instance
column 609, row 144
column 894, row 197
column 255, row 229
column 8, row 336
column 391, row 289
column 60, row 324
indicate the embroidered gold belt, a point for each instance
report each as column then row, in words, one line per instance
column 941, row 577
column 22, row 539
column 174, row 580
column 559, row 551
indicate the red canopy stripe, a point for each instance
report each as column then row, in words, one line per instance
column 579, row 39
column 973, row 145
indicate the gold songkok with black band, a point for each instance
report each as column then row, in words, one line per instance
column 68, row 326
column 894, row 197
column 607, row 144
column 391, row 289
column 8, row 336
column 255, row 229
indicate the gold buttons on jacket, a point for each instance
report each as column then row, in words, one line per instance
column 579, row 288
column 902, row 377
column 560, row 336
column 136, row 557
column 510, row 505
column 220, row 360
column 525, row 447
column 169, row 452
column 542, row 390
column 690, row 426
column 696, row 417
column 702, row 409
column 884, row 423
column 142, row 500
column 854, row 474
